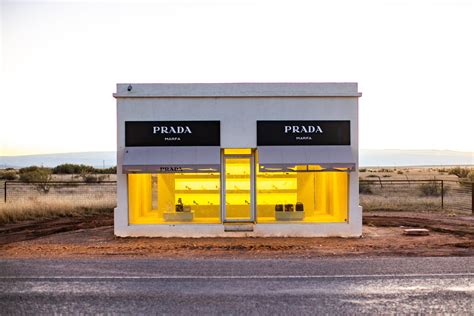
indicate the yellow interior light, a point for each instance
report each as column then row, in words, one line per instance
column 237, row 151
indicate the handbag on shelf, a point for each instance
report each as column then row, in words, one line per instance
column 299, row 207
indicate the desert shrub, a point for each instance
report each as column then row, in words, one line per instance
column 364, row 188
column 111, row 170
column 432, row 188
column 461, row 172
column 8, row 175
column 29, row 169
column 36, row 174
column 467, row 182
column 372, row 176
column 40, row 176
column 92, row 178
column 399, row 172
column 362, row 169
column 69, row 168
column 386, row 176
column 385, row 170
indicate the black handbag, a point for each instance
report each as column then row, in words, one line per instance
column 299, row 207
column 179, row 206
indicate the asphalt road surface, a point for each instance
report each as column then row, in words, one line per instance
column 210, row 286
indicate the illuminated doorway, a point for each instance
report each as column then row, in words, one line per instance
column 238, row 185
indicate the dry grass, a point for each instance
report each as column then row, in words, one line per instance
column 48, row 208
column 398, row 203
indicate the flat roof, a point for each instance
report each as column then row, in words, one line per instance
column 242, row 90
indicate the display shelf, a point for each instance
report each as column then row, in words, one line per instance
column 269, row 191
column 197, row 176
column 233, row 176
column 192, row 192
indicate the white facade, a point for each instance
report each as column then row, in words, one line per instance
column 238, row 107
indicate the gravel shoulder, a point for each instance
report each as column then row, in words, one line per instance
column 383, row 236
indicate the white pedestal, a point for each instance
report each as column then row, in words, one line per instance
column 178, row 216
column 289, row 216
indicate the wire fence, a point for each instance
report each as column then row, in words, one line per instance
column 74, row 194
column 381, row 194
column 422, row 195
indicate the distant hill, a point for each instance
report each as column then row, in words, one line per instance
column 368, row 157
column 97, row 159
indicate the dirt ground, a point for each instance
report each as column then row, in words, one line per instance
column 383, row 236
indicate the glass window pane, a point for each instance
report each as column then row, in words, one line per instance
column 174, row 198
column 312, row 197
column 237, row 187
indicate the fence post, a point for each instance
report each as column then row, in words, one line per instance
column 380, row 181
column 442, row 194
column 5, row 191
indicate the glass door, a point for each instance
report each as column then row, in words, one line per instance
column 238, row 188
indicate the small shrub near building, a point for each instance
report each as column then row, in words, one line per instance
column 432, row 188
column 364, row 188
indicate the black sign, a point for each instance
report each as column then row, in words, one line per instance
column 284, row 133
column 172, row 133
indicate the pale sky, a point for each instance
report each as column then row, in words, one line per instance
column 413, row 60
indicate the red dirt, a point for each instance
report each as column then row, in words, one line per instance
column 383, row 236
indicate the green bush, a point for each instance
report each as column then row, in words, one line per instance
column 40, row 176
column 30, row 169
column 69, row 168
column 8, row 175
column 111, row 170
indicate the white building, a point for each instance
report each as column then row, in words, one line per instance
column 237, row 159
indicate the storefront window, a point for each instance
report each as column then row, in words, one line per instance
column 310, row 196
column 168, row 198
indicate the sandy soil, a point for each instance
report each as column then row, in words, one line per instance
column 383, row 236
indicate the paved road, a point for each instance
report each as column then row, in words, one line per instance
column 283, row 287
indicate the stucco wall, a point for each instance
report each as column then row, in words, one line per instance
column 238, row 115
